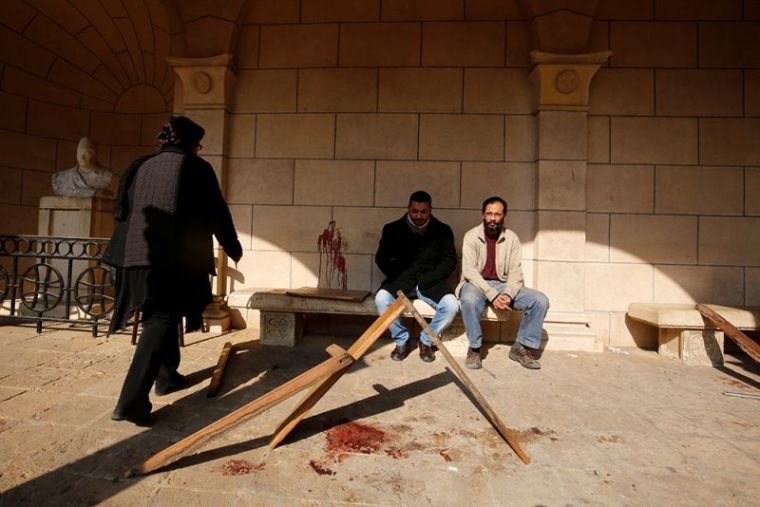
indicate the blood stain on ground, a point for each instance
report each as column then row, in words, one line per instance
column 445, row 455
column 737, row 384
column 613, row 439
column 353, row 438
column 533, row 433
column 396, row 453
column 466, row 433
column 320, row 468
column 241, row 467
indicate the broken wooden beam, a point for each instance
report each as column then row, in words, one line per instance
column 285, row 391
column 494, row 419
column 744, row 342
column 326, row 373
column 216, row 377
column 357, row 350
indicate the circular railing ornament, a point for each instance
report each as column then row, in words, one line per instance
column 93, row 291
column 5, row 284
column 41, row 288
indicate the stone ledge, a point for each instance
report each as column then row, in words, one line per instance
column 684, row 334
column 686, row 316
column 281, row 314
column 278, row 301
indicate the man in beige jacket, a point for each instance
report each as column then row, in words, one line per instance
column 492, row 273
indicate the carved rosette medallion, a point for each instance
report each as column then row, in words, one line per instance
column 567, row 81
column 277, row 326
column 202, row 82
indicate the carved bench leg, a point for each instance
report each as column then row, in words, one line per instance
column 700, row 347
column 279, row 328
column 669, row 343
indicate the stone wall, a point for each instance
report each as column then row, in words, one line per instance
column 336, row 110
column 70, row 70
column 674, row 159
column 341, row 109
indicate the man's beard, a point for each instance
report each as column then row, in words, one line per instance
column 493, row 228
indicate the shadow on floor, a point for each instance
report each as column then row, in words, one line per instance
column 383, row 401
column 736, row 362
column 98, row 476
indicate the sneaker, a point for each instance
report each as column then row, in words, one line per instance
column 426, row 353
column 400, row 352
column 524, row 356
column 473, row 361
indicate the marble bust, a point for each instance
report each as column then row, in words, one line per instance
column 87, row 177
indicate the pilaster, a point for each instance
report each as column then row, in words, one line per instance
column 205, row 95
column 561, row 85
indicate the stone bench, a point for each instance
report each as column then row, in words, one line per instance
column 281, row 312
column 684, row 334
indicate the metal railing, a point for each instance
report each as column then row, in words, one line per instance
column 45, row 278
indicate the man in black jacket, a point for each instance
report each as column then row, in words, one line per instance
column 417, row 256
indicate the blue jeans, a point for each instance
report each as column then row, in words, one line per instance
column 445, row 311
column 533, row 303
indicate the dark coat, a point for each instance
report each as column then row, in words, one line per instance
column 170, row 253
column 411, row 260
column 183, row 240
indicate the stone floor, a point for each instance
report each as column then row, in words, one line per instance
column 624, row 428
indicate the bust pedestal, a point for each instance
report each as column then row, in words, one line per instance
column 74, row 217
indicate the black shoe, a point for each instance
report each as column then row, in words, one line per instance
column 524, row 356
column 163, row 387
column 426, row 353
column 144, row 420
column 400, row 352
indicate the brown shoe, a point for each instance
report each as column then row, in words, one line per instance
column 400, row 352
column 426, row 353
column 473, row 361
column 524, row 356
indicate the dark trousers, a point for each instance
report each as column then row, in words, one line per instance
column 156, row 357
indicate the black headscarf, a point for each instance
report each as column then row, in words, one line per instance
column 182, row 132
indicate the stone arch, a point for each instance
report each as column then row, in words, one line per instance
column 88, row 56
column 203, row 29
column 563, row 27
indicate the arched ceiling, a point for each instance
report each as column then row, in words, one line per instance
column 105, row 55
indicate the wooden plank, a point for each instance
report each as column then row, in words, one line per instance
column 744, row 342
column 357, row 350
column 216, row 377
column 335, row 350
column 376, row 330
column 135, row 323
column 304, row 406
column 285, row 391
column 494, row 419
column 340, row 294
